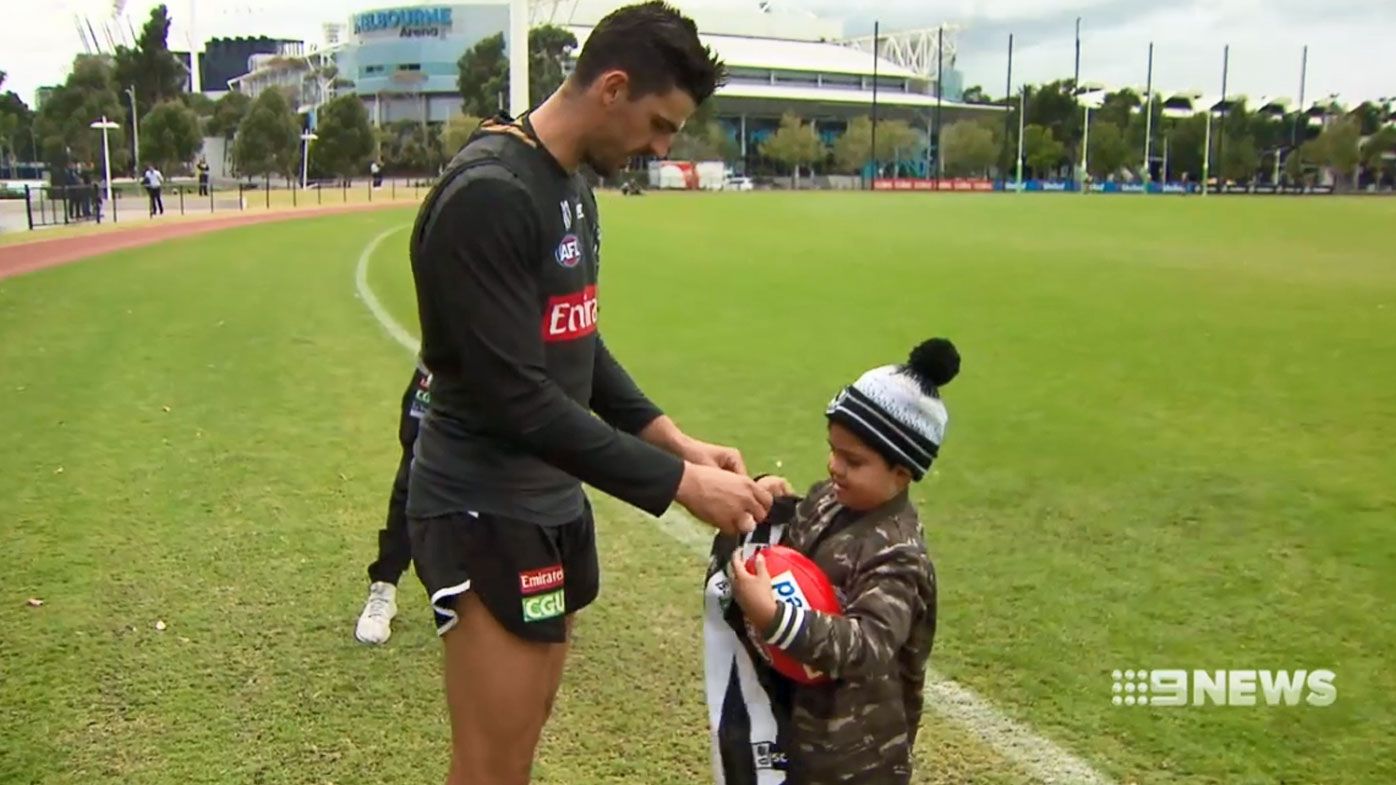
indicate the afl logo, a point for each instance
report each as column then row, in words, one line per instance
column 569, row 251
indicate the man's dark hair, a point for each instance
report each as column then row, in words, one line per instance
column 656, row 46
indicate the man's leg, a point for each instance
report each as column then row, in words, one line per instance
column 500, row 691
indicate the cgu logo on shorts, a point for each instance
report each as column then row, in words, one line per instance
column 546, row 579
column 570, row 316
column 544, row 606
column 569, row 251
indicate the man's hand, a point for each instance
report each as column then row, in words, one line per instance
column 664, row 434
column 731, row 502
column 752, row 591
column 776, row 486
column 705, row 454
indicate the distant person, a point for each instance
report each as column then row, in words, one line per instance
column 153, row 181
column 376, row 169
column 202, row 167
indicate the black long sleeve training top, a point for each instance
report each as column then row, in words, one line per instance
column 505, row 256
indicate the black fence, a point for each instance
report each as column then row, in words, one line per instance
column 59, row 205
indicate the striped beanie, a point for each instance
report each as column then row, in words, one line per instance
column 897, row 409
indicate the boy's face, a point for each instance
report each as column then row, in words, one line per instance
column 863, row 479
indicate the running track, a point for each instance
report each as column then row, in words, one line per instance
column 25, row 257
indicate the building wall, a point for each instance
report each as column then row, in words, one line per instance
column 226, row 58
column 422, row 43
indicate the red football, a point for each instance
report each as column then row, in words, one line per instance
column 798, row 581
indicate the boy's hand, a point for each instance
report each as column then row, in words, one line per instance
column 776, row 486
column 753, row 591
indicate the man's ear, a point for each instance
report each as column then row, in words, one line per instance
column 612, row 87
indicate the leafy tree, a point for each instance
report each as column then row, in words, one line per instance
column 1375, row 154
column 895, row 139
column 483, row 70
column 794, row 144
column 969, row 148
column 456, row 132
column 1240, row 159
column 408, row 146
column 703, row 139
column 268, row 138
column 149, row 67
column 15, row 123
column 228, row 112
column 1042, row 152
column 1107, row 150
column 170, row 136
column 345, row 138
column 63, row 124
column 975, row 95
column 1337, row 148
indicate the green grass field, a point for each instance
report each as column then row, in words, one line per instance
column 1170, row 446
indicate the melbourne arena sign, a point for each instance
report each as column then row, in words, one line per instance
column 418, row 22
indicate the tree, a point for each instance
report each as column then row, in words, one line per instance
column 345, row 139
column 408, row 146
column 483, row 74
column 268, row 139
column 1337, row 147
column 1294, row 165
column 1053, row 107
column 170, row 136
column 548, row 48
column 1240, row 159
column 483, row 70
column 228, row 113
column 1107, row 151
column 895, row 139
column 1369, row 116
column 202, row 105
column 975, row 95
column 456, row 132
column 63, row 124
column 794, row 144
column 16, row 120
column 149, row 67
column 969, row 148
column 1042, row 152
column 1185, row 138
column 703, row 139
column 1379, row 155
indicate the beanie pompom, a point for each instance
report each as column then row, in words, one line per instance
column 935, row 361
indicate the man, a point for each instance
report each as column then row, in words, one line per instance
column 153, row 180
column 394, row 546
column 202, row 167
column 505, row 253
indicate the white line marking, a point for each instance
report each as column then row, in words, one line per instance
column 397, row 331
column 1039, row 757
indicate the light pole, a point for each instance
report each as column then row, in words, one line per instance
column 105, row 126
column 1022, row 109
column 1091, row 96
column 307, row 138
column 135, row 134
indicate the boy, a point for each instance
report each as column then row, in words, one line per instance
column 394, row 544
column 861, row 529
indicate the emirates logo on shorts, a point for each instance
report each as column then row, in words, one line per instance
column 545, row 579
column 570, row 316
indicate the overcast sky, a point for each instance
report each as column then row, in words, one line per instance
column 1350, row 41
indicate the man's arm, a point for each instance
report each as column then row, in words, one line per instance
column 616, row 398
column 475, row 270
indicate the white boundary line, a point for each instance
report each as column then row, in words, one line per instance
column 1039, row 757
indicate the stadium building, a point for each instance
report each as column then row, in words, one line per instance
column 402, row 62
